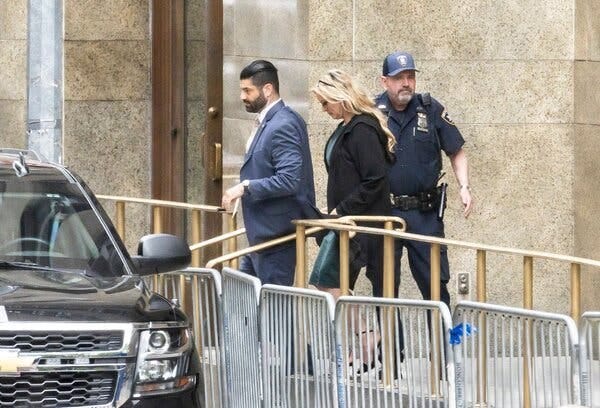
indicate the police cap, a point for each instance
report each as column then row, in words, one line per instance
column 397, row 62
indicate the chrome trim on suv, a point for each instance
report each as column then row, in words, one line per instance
column 122, row 361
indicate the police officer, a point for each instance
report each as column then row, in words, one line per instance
column 423, row 130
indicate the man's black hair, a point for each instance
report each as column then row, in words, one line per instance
column 261, row 72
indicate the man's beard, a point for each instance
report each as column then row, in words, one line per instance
column 256, row 105
column 404, row 98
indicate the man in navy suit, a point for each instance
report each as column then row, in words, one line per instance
column 276, row 180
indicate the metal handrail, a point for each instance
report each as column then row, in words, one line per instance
column 163, row 203
column 388, row 232
column 196, row 221
column 218, row 239
column 319, row 225
column 255, row 248
column 290, row 237
column 482, row 249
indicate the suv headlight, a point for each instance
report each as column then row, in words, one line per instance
column 163, row 359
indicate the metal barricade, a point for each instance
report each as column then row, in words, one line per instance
column 297, row 345
column 589, row 343
column 394, row 353
column 204, row 312
column 509, row 357
column 241, row 333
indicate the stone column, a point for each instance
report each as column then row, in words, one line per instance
column 107, row 130
column 13, row 75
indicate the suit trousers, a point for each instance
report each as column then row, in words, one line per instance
column 275, row 265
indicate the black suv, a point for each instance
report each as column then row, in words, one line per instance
column 78, row 326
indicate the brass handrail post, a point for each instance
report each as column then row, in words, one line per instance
column 120, row 218
column 527, row 304
column 183, row 302
column 435, row 271
column 232, row 243
column 575, row 291
column 388, row 318
column 481, row 276
column 528, row 282
column 301, row 271
column 157, row 229
column 388, row 262
column 157, row 219
column 482, row 341
column 344, row 262
column 196, row 236
column 435, row 275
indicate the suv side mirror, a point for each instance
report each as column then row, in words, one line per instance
column 159, row 253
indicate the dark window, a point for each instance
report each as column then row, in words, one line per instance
column 45, row 219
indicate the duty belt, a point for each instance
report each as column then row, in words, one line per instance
column 423, row 201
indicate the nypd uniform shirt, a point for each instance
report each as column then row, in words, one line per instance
column 422, row 132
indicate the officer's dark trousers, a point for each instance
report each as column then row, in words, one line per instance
column 424, row 223
column 419, row 255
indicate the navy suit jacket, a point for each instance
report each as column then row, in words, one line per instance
column 279, row 166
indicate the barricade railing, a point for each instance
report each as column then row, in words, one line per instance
column 390, row 355
column 297, row 343
column 197, row 213
column 589, row 344
column 501, row 357
column 203, row 286
column 241, row 338
column 509, row 357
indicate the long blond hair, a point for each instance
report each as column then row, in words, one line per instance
column 338, row 86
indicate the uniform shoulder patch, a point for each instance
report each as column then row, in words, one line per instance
column 446, row 117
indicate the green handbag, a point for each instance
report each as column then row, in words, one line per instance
column 326, row 269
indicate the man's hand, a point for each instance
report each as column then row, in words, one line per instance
column 231, row 195
column 467, row 200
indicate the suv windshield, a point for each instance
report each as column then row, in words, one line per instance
column 46, row 220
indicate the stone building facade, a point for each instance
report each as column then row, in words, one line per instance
column 517, row 76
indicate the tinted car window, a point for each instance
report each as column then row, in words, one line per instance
column 46, row 219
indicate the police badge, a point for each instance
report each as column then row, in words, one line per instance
column 421, row 121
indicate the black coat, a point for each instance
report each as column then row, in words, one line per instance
column 357, row 181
